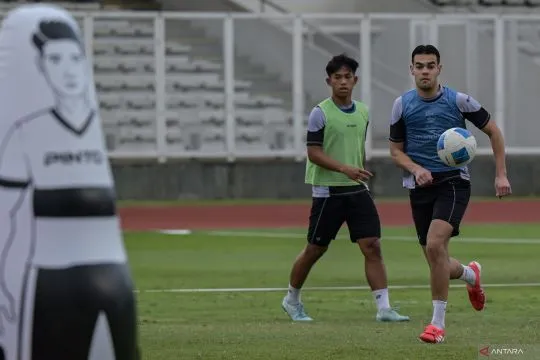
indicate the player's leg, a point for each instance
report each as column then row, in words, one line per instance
column 364, row 226
column 460, row 192
column 459, row 270
column 423, row 202
column 325, row 220
column 437, row 255
column 449, row 208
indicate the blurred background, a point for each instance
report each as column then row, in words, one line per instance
column 209, row 99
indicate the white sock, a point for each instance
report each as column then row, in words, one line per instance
column 293, row 295
column 439, row 312
column 468, row 275
column 381, row 299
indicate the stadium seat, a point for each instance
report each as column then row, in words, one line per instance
column 140, row 29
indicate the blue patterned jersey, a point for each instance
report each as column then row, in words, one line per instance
column 419, row 122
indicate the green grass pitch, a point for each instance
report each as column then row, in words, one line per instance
column 244, row 325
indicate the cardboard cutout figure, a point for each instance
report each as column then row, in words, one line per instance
column 65, row 286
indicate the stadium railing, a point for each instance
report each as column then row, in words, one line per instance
column 421, row 27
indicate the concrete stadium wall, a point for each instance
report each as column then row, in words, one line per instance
column 284, row 179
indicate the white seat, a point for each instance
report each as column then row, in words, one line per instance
column 173, row 65
column 125, row 48
column 112, row 40
column 147, row 132
column 128, row 82
column 181, row 60
column 135, row 144
column 124, row 28
column 106, row 23
column 143, row 118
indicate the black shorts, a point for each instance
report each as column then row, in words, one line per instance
column 446, row 201
column 67, row 305
column 351, row 204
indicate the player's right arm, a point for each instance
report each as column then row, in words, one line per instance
column 397, row 146
column 14, row 182
column 316, row 154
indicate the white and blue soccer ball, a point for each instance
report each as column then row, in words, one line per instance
column 456, row 147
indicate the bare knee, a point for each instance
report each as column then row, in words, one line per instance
column 437, row 240
column 314, row 252
column 436, row 251
column 371, row 248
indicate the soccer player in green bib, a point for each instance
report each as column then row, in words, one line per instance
column 335, row 169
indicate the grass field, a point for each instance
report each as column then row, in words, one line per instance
column 178, row 322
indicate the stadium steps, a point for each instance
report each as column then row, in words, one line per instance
column 209, row 48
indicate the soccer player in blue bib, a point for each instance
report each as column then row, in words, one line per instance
column 439, row 194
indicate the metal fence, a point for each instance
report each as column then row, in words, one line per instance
column 228, row 85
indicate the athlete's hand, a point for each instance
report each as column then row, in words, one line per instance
column 502, row 186
column 423, row 176
column 356, row 174
column 7, row 308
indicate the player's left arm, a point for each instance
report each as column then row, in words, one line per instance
column 473, row 111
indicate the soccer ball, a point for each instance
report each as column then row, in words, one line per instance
column 456, row 147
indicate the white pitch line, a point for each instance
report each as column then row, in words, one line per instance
column 279, row 235
column 324, row 288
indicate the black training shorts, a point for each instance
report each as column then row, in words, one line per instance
column 351, row 204
column 446, row 201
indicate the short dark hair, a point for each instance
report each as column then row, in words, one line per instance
column 54, row 30
column 339, row 61
column 426, row 50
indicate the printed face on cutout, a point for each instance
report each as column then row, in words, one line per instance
column 64, row 65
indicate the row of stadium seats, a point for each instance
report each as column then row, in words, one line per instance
column 187, row 117
column 145, row 101
column 115, row 46
column 125, row 66
column 146, row 64
column 138, row 133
